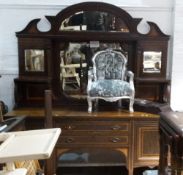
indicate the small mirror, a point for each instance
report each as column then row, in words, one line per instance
column 152, row 62
column 34, row 60
column 93, row 21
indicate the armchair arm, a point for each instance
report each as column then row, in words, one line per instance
column 90, row 74
column 90, row 78
column 130, row 74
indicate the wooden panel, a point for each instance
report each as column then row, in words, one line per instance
column 147, row 91
column 148, row 137
column 30, row 94
column 146, row 143
column 35, row 93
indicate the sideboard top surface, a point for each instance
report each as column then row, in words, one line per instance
column 70, row 112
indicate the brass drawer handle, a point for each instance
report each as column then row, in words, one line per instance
column 116, row 127
column 69, row 127
column 69, row 140
column 115, row 139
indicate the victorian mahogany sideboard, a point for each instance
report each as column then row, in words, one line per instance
column 42, row 57
column 135, row 135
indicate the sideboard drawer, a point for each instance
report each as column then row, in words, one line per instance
column 93, row 126
column 90, row 140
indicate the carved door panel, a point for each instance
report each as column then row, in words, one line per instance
column 146, row 143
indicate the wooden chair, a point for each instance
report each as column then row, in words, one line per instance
column 68, row 71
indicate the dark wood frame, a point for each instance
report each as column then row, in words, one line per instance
column 32, row 38
column 157, row 46
column 33, row 43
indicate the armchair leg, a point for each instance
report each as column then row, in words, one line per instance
column 131, row 105
column 96, row 105
column 89, row 105
column 119, row 103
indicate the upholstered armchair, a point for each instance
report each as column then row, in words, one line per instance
column 109, row 80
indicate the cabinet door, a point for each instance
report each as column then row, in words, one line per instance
column 146, row 143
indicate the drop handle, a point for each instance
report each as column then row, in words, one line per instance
column 115, row 139
column 69, row 127
column 116, row 127
column 69, row 140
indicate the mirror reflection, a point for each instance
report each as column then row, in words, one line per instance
column 75, row 60
column 34, row 60
column 72, row 66
column 94, row 21
column 152, row 62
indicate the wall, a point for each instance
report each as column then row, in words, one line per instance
column 15, row 14
column 177, row 66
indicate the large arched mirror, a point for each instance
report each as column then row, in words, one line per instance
column 76, row 59
column 59, row 59
column 93, row 21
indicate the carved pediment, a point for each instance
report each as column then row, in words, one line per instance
column 92, row 17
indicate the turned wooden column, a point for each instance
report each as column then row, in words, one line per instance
column 50, row 163
column 48, row 109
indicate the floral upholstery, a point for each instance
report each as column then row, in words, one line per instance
column 109, row 66
column 110, row 88
column 107, row 79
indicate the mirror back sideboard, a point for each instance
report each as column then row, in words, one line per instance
column 69, row 46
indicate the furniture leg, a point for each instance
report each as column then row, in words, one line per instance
column 131, row 105
column 96, row 105
column 89, row 104
column 163, row 154
column 119, row 103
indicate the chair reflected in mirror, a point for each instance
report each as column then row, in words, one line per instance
column 68, row 74
column 109, row 79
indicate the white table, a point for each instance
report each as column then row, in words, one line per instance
column 26, row 145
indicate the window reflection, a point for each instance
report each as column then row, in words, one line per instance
column 34, row 60
column 93, row 21
column 152, row 62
